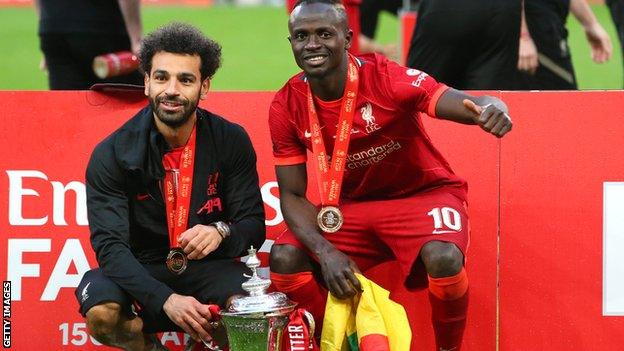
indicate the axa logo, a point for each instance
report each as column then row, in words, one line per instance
column 211, row 205
column 367, row 116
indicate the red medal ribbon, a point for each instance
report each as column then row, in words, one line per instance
column 178, row 192
column 297, row 334
column 330, row 176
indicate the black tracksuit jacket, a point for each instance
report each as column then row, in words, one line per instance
column 126, row 211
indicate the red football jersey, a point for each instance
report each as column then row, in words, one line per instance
column 390, row 154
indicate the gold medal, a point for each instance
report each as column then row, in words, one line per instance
column 177, row 261
column 329, row 219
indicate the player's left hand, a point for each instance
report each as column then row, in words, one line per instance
column 491, row 118
column 199, row 241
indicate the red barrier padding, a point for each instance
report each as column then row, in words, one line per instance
column 564, row 146
column 544, row 182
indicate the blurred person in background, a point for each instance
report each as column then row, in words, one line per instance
column 616, row 7
column 544, row 57
column 73, row 32
column 369, row 18
column 467, row 44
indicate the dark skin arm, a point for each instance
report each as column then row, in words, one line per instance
column 300, row 214
column 488, row 112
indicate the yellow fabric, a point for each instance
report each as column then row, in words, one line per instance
column 371, row 312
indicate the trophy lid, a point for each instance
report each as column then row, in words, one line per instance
column 258, row 300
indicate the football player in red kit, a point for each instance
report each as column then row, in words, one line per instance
column 386, row 192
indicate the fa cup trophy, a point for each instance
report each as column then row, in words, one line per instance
column 256, row 322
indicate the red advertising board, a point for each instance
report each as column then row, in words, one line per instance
column 564, row 147
column 540, row 188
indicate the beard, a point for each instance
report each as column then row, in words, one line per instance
column 174, row 119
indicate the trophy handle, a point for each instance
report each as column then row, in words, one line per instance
column 311, row 324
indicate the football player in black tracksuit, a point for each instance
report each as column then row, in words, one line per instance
column 132, row 204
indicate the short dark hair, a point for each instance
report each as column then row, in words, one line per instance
column 181, row 38
column 336, row 4
column 307, row 2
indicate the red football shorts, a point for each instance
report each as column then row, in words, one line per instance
column 376, row 231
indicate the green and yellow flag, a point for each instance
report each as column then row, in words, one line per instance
column 367, row 322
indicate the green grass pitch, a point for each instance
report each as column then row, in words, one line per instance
column 256, row 54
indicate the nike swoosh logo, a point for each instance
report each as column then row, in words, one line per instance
column 443, row 231
column 142, row 197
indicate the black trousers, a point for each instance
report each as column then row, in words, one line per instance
column 468, row 44
column 547, row 26
column 209, row 281
column 616, row 7
column 555, row 70
column 69, row 57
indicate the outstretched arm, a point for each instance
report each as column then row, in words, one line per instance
column 300, row 215
column 596, row 35
column 490, row 113
column 417, row 91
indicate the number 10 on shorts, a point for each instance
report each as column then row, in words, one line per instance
column 445, row 220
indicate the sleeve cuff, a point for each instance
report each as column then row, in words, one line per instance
column 156, row 303
column 431, row 110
